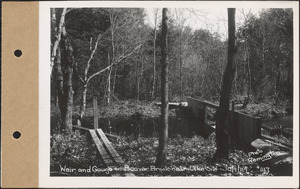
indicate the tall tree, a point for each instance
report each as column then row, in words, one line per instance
column 268, row 41
column 154, row 54
column 125, row 27
column 222, row 128
column 87, row 78
column 63, row 60
column 163, row 135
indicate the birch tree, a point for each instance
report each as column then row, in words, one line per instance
column 63, row 60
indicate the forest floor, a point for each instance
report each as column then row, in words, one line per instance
column 186, row 156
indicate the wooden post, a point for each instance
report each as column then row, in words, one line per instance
column 258, row 127
column 205, row 114
column 95, row 109
column 233, row 127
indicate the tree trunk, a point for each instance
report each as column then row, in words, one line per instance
column 62, row 56
column 67, row 63
column 112, row 22
column 115, row 77
column 58, row 35
column 289, row 90
column 163, row 135
column 222, row 130
column 246, row 101
column 140, row 79
column 154, row 59
column 59, row 80
column 83, row 105
column 180, row 69
column 137, row 81
column 109, row 86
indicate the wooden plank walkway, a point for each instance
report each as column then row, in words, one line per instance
column 108, row 153
column 116, row 157
column 113, row 153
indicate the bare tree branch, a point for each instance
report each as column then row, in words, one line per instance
column 86, row 70
column 99, row 72
column 82, row 81
column 122, row 57
column 114, row 62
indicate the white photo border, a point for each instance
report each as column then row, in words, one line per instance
column 154, row 182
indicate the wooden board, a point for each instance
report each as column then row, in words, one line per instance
column 105, row 156
column 95, row 112
column 233, row 127
column 282, row 144
column 110, row 148
column 248, row 128
column 117, row 158
column 81, row 128
column 195, row 106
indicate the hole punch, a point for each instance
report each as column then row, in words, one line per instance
column 18, row 53
column 16, row 134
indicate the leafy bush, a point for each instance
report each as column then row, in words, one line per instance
column 264, row 110
column 72, row 150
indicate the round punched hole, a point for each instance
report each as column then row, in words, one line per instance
column 18, row 53
column 16, row 134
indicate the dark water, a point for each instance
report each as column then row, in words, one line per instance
column 182, row 125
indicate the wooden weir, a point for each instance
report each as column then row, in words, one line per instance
column 108, row 153
column 244, row 128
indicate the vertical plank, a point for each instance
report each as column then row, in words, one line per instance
column 95, row 110
column 232, row 106
column 258, row 128
column 248, row 127
column 205, row 114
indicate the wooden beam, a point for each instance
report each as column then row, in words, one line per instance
column 111, row 135
column 110, row 148
column 82, row 128
column 280, row 144
column 95, row 111
column 114, row 154
column 105, row 156
column 86, row 129
column 211, row 105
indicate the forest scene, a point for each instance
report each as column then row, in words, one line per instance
column 176, row 92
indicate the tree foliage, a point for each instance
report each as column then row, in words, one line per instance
column 123, row 53
column 266, row 43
